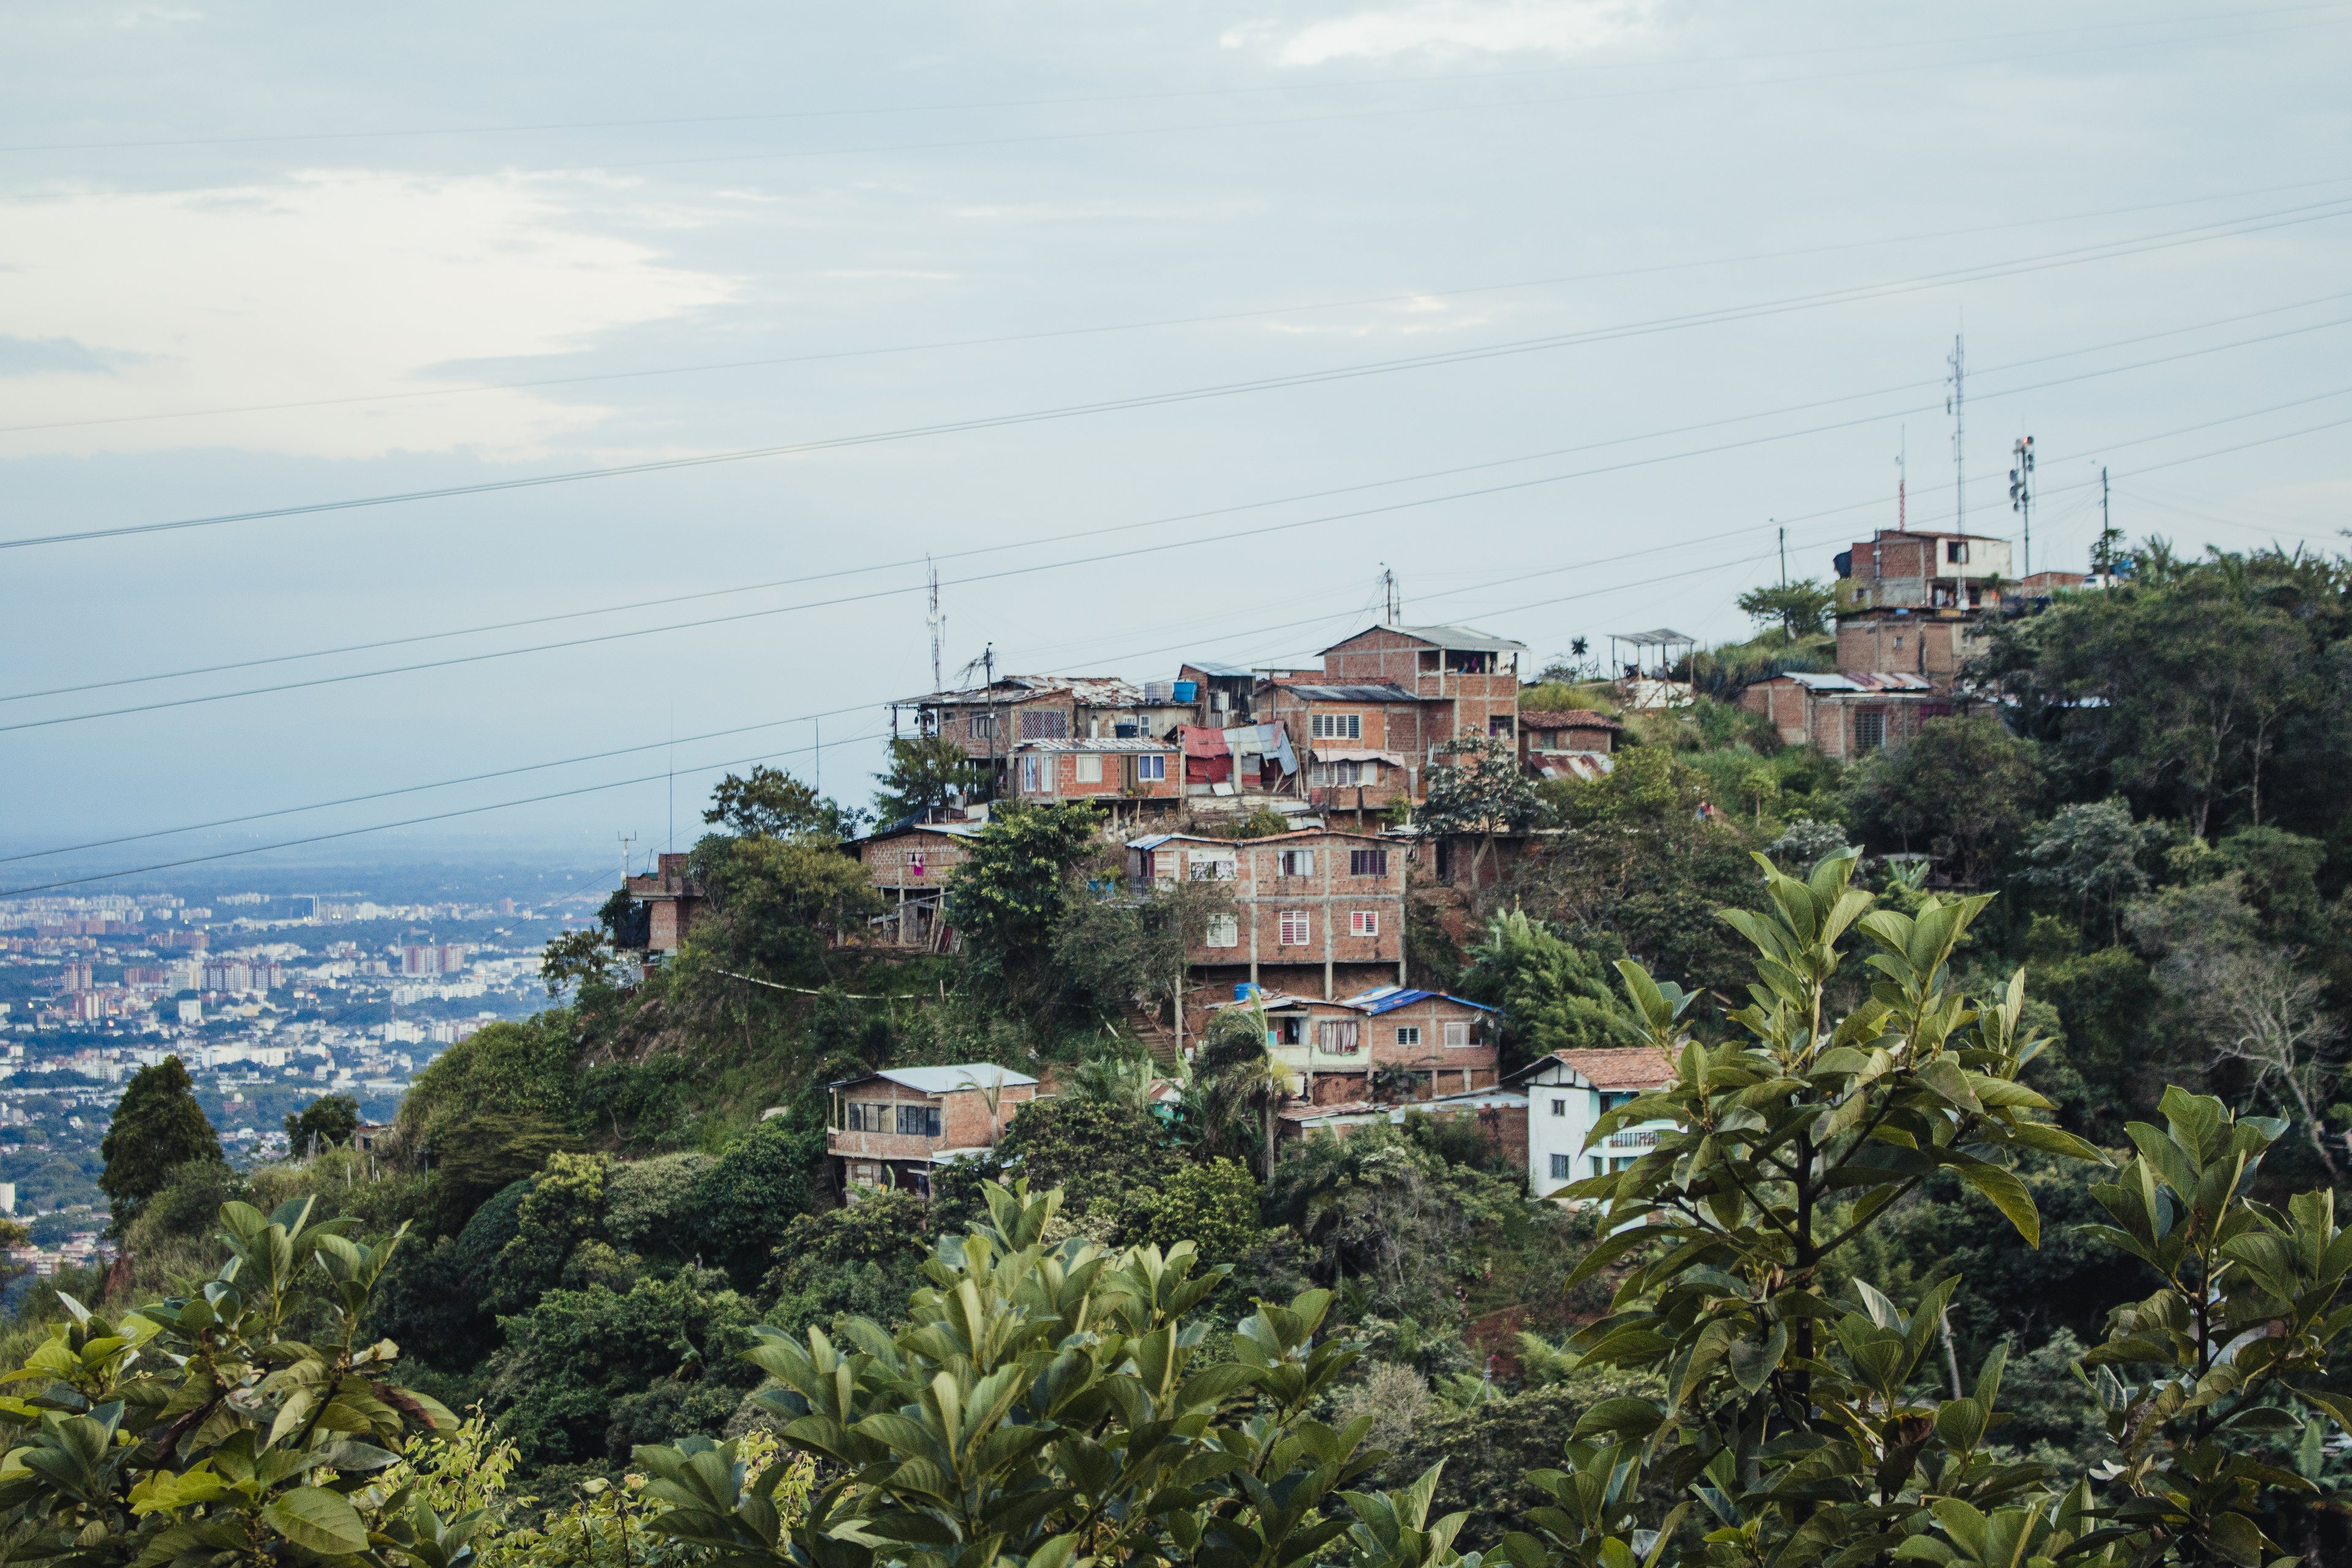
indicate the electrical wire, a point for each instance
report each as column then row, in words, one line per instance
column 1191, row 541
column 1036, row 543
column 2168, row 239
column 1209, row 320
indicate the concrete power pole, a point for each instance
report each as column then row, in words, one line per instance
column 2020, row 493
column 1956, row 406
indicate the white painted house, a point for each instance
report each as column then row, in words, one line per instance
column 1567, row 1093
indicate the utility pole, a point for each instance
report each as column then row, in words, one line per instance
column 936, row 625
column 626, row 839
column 1955, row 405
column 1784, row 555
column 818, row 724
column 988, row 689
column 1902, row 462
column 2103, row 554
column 1391, row 609
column 2020, row 493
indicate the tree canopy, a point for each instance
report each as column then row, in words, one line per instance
column 157, row 1126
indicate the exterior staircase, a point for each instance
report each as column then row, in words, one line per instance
column 1156, row 1037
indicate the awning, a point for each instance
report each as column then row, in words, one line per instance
column 1345, row 754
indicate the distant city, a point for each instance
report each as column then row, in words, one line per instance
column 270, row 999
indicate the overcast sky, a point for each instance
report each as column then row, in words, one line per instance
column 1689, row 269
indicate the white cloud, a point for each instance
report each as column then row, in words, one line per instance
column 328, row 285
column 1449, row 28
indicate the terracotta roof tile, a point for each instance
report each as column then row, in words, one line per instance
column 1625, row 1067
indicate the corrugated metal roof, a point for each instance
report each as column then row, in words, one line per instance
column 1096, row 743
column 1388, row 998
column 1381, row 691
column 1857, row 680
column 1586, row 765
column 1467, row 638
column 1090, row 690
column 1220, row 671
column 952, row 829
column 950, row 1079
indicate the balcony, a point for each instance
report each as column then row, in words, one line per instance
column 879, row 1145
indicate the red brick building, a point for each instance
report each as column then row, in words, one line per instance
column 673, row 901
column 989, row 721
column 1106, row 772
column 1474, row 674
column 1317, row 912
column 894, row 1128
column 1915, row 603
column 1576, row 743
column 1847, row 715
column 1500, row 1114
column 1363, row 744
column 909, row 866
column 1429, row 1043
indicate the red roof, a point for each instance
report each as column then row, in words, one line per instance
column 1198, row 741
column 1623, row 1067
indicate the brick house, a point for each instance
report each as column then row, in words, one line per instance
column 1575, row 744
column 673, row 901
column 1441, row 1044
column 989, row 722
column 1567, row 1092
column 1106, row 771
column 1848, row 715
column 1501, row 1113
column 909, row 866
column 1318, row 912
column 1471, row 675
column 1916, row 602
column 894, row 1128
column 1364, row 743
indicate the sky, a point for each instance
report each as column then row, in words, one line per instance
column 686, row 337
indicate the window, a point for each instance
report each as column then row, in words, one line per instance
column 1596, row 1165
column 1869, row 729
column 1031, row 775
column 1500, row 726
column 869, row 1118
column 983, row 725
column 1342, row 774
column 918, row 1121
column 1213, row 866
column 1294, row 863
column 1090, row 765
column 1291, row 929
column 1559, row 1170
column 1560, row 1108
column 1408, row 1034
column 1163, row 866
column 1363, row 922
column 917, row 859
column 1457, row 1033
column 1287, row 1032
column 1336, row 726
column 1150, row 769
column 1044, row 724
column 1225, row 930
column 1956, row 551
column 1338, row 1036
column 1368, row 862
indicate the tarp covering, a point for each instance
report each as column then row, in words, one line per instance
column 1207, row 759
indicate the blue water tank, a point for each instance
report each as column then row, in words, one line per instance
column 1188, row 692
column 1245, row 991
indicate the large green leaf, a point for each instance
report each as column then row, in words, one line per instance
column 317, row 1520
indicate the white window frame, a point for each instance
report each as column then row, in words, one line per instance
column 1457, row 1035
column 1030, row 774
column 1561, row 1168
column 1336, row 726
column 1089, row 767
column 1294, row 862
column 1363, row 922
column 1211, row 866
column 1293, row 928
column 1408, row 1035
column 1151, row 767
column 1223, row 931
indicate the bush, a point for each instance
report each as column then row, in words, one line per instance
column 861, row 1260
column 1212, row 1205
column 748, row 1197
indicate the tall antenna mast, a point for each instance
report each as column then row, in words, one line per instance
column 1902, row 463
column 626, row 839
column 1955, row 407
column 938, row 683
column 2020, row 493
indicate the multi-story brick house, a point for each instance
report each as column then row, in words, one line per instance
column 989, row 721
column 1421, row 1044
column 673, row 901
column 909, row 866
column 1364, row 743
column 1475, row 676
column 1847, row 716
column 894, row 1128
column 1501, row 1113
column 1315, row 913
column 1916, row 602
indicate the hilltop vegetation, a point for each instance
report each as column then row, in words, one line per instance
column 1998, row 1216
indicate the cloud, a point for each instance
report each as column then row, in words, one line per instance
column 157, row 15
column 325, row 285
column 1449, row 28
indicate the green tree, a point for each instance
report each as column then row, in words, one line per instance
column 1008, row 897
column 1554, row 995
column 1481, row 792
column 324, row 1123
column 583, row 961
column 1045, row 1406
column 772, row 804
column 927, row 774
column 781, row 904
column 156, row 1125
column 1964, row 789
column 1212, row 1204
column 1802, row 607
column 863, row 1259
column 748, row 1197
column 2089, row 854
column 245, row 1424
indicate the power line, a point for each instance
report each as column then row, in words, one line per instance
column 1211, row 319
column 864, row 111
column 1192, row 642
column 2110, row 250
column 1189, row 542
